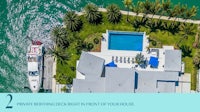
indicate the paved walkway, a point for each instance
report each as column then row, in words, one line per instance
column 156, row 16
column 150, row 16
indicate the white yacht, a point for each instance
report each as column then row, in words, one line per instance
column 35, row 57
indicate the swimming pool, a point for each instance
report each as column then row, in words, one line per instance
column 125, row 41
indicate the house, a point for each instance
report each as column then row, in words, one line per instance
column 94, row 76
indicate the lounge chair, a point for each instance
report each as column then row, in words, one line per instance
column 113, row 58
column 132, row 60
column 116, row 59
column 128, row 60
column 120, row 60
column 124, row 59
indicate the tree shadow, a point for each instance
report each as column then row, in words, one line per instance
column 173, row 28
column 139, row 22
column 153, row 25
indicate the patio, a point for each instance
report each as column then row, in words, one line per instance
column 126, row 59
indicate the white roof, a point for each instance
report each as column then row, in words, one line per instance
column 32, row 66
column 172, row 60
column 89, row 86
column 119, row 79
column 91, row 66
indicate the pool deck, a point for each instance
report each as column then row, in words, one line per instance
column 125, row 59
column 121, row 59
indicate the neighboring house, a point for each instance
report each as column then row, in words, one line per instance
column 93, row 74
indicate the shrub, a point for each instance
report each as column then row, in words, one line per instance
column 72, row 68
column 64, row 89
column 154, row 43
column 96, row 40
column 90, row 46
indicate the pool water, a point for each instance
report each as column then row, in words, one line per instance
column 126, row 41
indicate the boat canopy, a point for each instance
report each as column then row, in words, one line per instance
column 32, row 66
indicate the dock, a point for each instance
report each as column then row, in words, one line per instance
column 49, row 84
column 48, row 73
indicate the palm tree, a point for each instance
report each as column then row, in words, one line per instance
column 137, row 8
column 174, row 27
column 155, row 8
column 177, row 10
column 158, row 7
column 139, row 59
column 114, row 14
column 166, row 6
column 60, row 54
column 186, row 50
column 137, row 24
column 166, row 26
column 191, row 13
column 59, row 36
column 92, row 14
column 147, row 5
column 128, row 5
column 182, row 10
column 72, row 21
column 187, row 30
column 146, row 9
column 171, row 13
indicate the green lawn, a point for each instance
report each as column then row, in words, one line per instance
column 90, row 31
